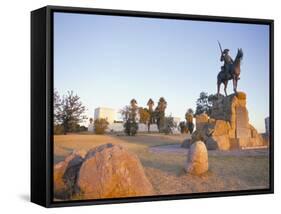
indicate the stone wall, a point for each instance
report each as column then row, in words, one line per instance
column 119, row 127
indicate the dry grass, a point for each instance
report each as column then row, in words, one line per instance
column 165, row 170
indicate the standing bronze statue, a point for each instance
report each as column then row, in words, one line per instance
column 230, row 70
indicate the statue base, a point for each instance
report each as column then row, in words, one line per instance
column 228, row 126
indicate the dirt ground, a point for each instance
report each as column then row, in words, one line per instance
column 235, row 170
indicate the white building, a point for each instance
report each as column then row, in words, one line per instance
column 106, row 113
column 91, row 127
column 177, row 120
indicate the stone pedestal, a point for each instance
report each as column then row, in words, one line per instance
column 229, row 124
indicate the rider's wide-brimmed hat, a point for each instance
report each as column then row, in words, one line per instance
column 226, row 50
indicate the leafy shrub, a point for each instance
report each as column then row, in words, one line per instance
column 82, row 129
column 169, row 125
column 100, row 125
column 131, row 127
column 190, row 127
column 58, row 129
column 144, row 115
column 183, row 127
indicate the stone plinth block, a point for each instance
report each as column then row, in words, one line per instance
column 201, row 120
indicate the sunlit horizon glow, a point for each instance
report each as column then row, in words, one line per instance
column 108, row 60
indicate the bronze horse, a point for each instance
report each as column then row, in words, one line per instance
column 224, row 77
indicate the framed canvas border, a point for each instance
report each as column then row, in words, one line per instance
column 42, row 70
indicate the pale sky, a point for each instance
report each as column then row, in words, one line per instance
column 108, row 60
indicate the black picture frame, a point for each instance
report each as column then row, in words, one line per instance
column 42, row 95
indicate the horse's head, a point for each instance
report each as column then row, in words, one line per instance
column 236, row 68
column 239, row 55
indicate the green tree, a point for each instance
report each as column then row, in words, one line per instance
column 189, row 120
column 57, row 105
column 69, row 111
column 130, row 114
column 169, row 125
column 125, row 112
column 133, row 110
column 183, row 127
column 160, row 113
column 204, row 103
column 150, row 105
column 190, row 111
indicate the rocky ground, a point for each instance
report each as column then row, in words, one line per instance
column 164, row 160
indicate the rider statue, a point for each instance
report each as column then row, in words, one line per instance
column 230, row 70
column 228, row 61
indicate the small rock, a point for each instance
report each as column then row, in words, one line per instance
column 65, row 174
column 197, row 160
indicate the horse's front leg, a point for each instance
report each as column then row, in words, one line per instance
column 225, row 87
column 218, row 88
column 235, row 85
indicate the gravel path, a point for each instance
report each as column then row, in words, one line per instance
column 177, row 149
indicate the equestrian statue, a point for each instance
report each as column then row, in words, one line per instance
column 230, row 70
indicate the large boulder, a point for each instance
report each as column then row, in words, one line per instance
column 197, row 160
column 211, row 144
column 65, row 173
column 221, row 142
column 110, row 171
column 221, row 127
column 257, row 139
column 203, row 133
